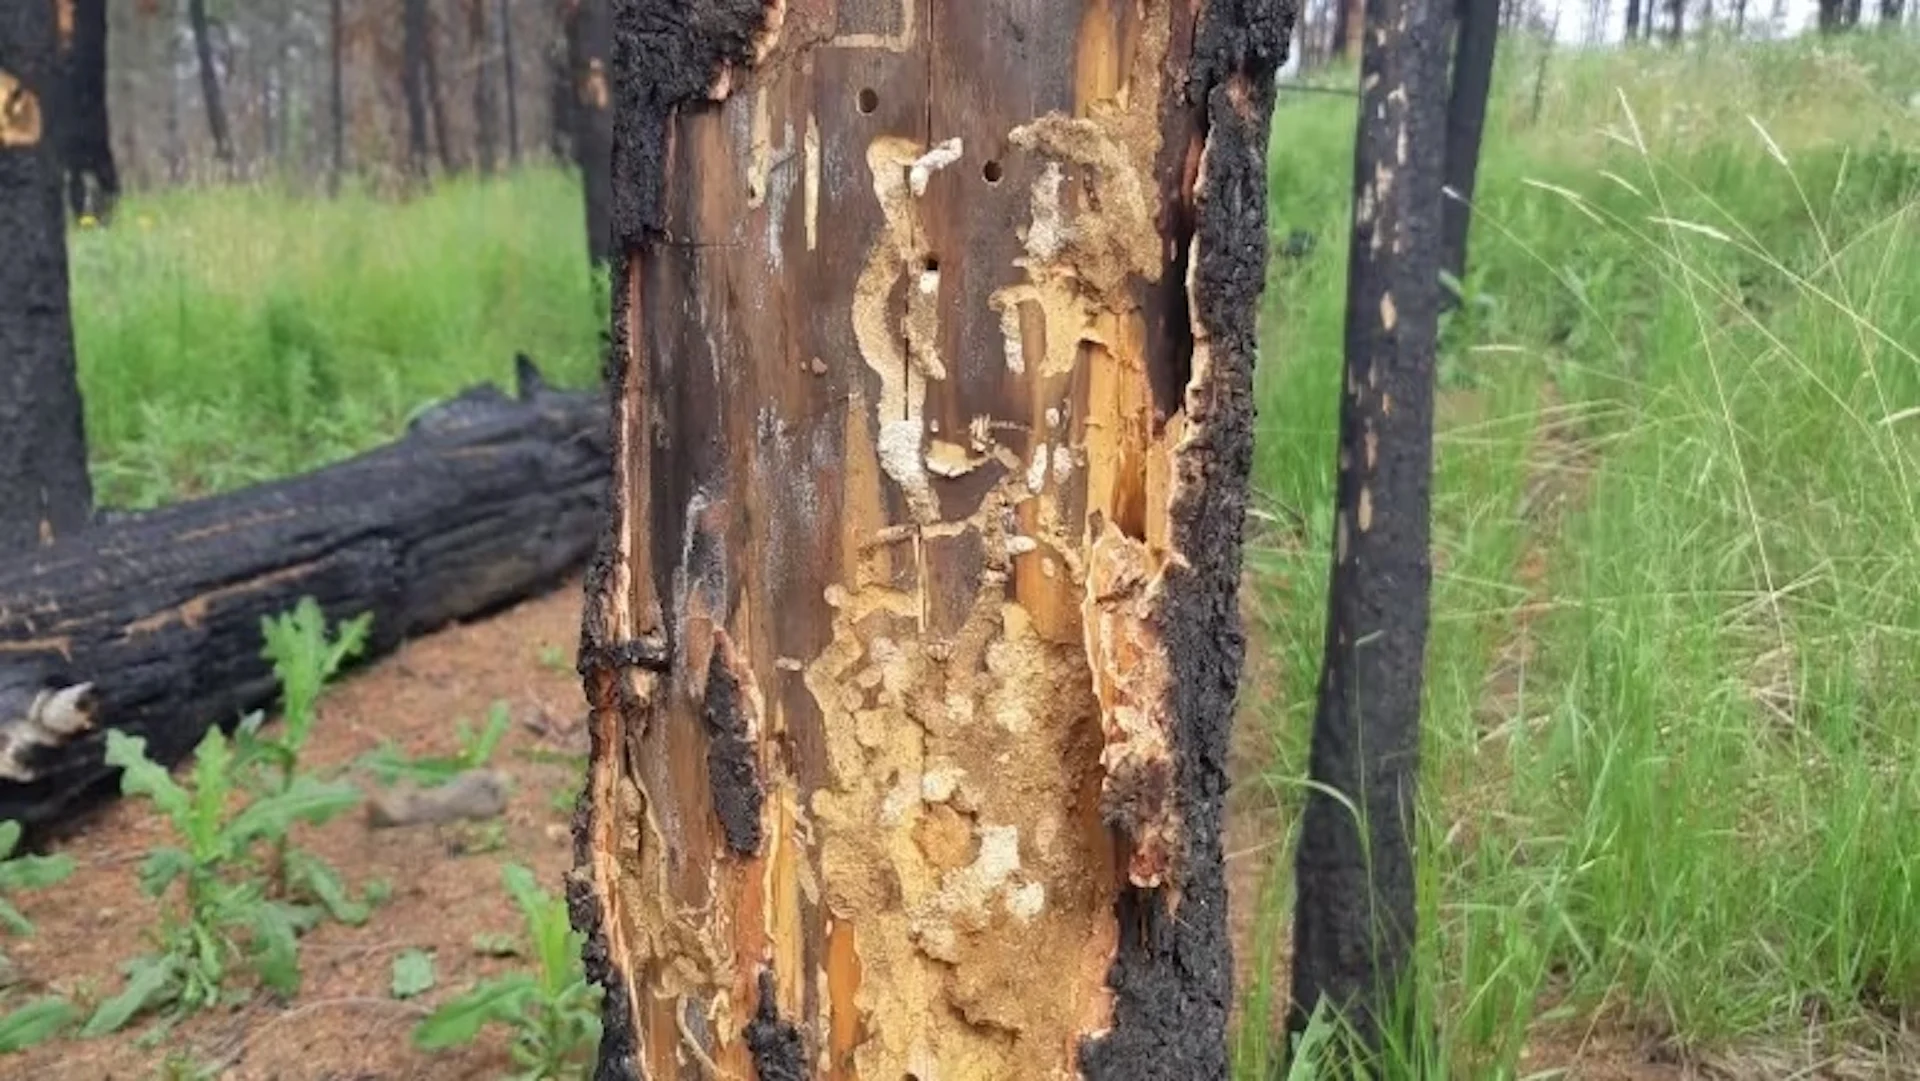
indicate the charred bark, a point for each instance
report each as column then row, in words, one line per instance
column 44, row 489
column 151, row 621
column 912, row 644
column 93, row 183
column 589, row 35
column 1474, row 44
column 1354, row 915
column 210, row 95
column 413, row 74
column 1633, row 21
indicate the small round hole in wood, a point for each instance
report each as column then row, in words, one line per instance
column 869, row 100
column 992, row 172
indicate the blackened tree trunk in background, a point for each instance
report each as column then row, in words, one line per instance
column 210, row 83
column 436, row 102
column 44, row 489
column 1633, row 20
column 1355, row 916
column 1476, row 37
column 510, row 76
column 486, row 117
column 1676, row 21
column 1891, row 12
column 589, row 31
column 913, row 664
column 93, row 183
column 337, row 95
column 413, row 75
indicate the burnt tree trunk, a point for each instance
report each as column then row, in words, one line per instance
column 1633, row 20
column 210, row 83
column 1354, row 917
column 1474, row 43
column 153, row 619
column 413, row 75
column 44, row 489
column 486, row 118
column 589, row 34
column 337, row 94
column 912, row 646
column 436, row 102
column 509, row 74
column 93, row 183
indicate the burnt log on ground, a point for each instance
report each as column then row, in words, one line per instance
column 150, row 622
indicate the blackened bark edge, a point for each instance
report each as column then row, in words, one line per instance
column 1478, row 37
column 413, row 74
column 660, row 61
column 44, row 489
column 210, row 82
column 1172, row 975
column 1354, row 919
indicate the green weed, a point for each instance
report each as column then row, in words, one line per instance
column 552, row 1010
column 304, row 660
column 388, row 764
column 225, row 918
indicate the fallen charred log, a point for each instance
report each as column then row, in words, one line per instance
column 150, row 622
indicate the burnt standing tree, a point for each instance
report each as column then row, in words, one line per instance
column 210, row 82
column 588, row 26
column 93, row 183
column 44, row 489
column 486, row 118
column 337, row 94
column 509, row 75
column 1354, row 917
column 912, row 646
column 1477, row 35
column 430, row 72
column 413, row 74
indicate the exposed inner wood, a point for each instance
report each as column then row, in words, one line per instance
column 898, row 437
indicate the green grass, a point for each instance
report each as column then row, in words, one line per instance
column 1693, row 815
column 233, row 335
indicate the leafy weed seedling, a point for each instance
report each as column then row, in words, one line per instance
column 553, row 1011
column 304, row 659
column 226, row 917
column 24, row 873
column 388, row 764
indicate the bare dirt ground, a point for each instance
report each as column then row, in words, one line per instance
column 344, row 1025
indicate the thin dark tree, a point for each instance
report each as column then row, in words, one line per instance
column 1633, row 20
column 337, row 94
column 1676, row 21
column 1476, row 37
column 210, row 83
column 1355, row 916
column 485, row 115
column 436, row 102
column 589, row 34
column 413, row 74
column 1850, row 13
column 86, row 144
column 510, row 77
column 1891, row 13
column 44, row 489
